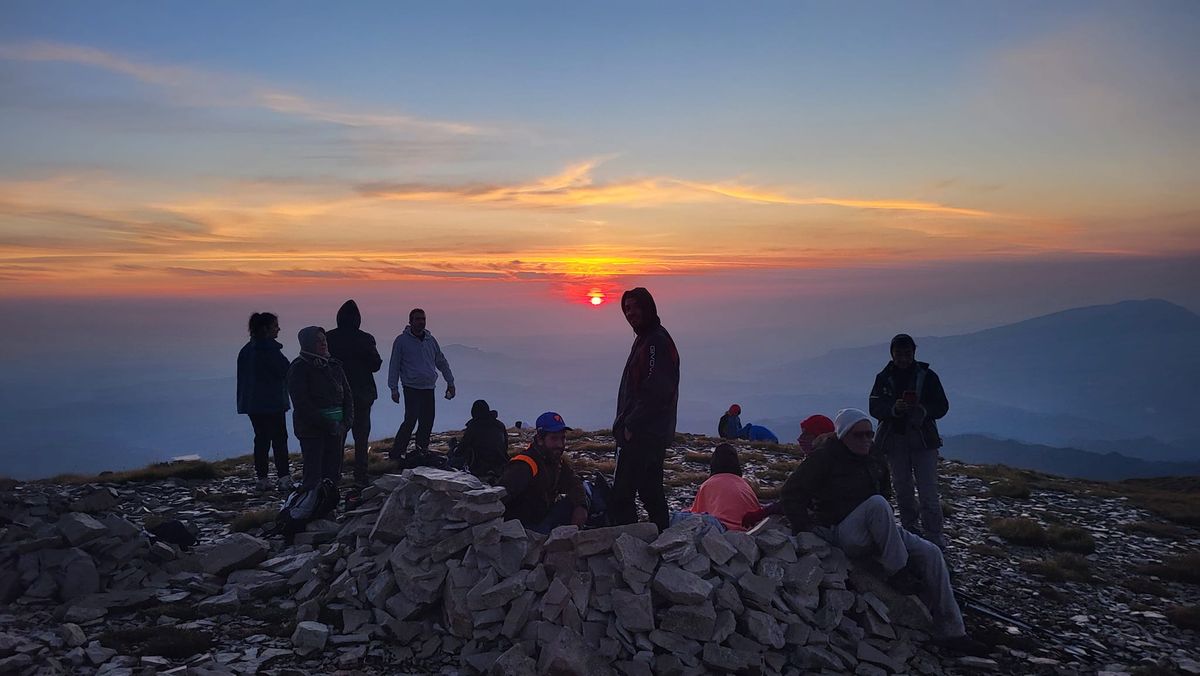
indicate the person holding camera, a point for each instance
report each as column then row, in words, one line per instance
column 908, row 400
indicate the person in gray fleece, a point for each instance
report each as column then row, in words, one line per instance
column 322, row 407
column 416, row 359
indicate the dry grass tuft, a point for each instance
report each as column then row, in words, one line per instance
column 1179, row 568
column 1185, row 617
column 1019, row 531
column 255, row 518
column 1006, row 488
column 1070, row 539
column 1064, row 567
column 193, row 470
column 1163, row 531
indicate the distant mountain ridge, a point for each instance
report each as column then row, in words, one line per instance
column 1067, row 462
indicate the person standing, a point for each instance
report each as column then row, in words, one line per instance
column 730, row 424
column 647, row 404
column 262, row 395
column 908, row 400
column 322, row 408
column 360, row 359
column 416, row 359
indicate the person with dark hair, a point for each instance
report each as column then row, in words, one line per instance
column 262, row 395
column 730, row 424
column 483, row 449
column 416, row 359
column 908, row 400
column 541, row 489
column 647, row 404
column 725, row 494
column 841, row 492
column 323, row 408
column 360, row 359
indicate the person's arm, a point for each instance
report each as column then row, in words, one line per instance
column 374, row 361
column 439, row 360
column 657, row 388
column 934, row 397
column 570, row 484
column 394, row 367
column 882, row 401
column 347, row 401
column 515, row 478
column 797, row 493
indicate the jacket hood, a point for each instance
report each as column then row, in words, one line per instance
column 348, row 316
column 480, row 409
column 649, row 307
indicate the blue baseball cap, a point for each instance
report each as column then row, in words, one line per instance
column 550, row 422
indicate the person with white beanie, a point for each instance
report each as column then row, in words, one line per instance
column 841, row 492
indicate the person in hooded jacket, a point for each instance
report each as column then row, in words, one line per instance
column 322, row 408
column 360, row 359
column 416, row 360
column 483, row 449
column 262, row 395
column 647, row 405
column 908, row 400
column 730, row 424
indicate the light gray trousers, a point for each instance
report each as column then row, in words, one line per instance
column 871, row 530
column 914, row 476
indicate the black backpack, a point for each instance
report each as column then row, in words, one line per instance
column 303, row 506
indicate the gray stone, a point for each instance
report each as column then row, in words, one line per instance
column 15, row 664
column 729, row 660
column 79, row 575
column 815, row 658
column 869, row 653
column 691, row 621
column 98, row 500
column 757, row 590
column 716, row 547
column 381, row 588
column 599, row 540
column 514, row 662
column 98, row 654
column 568, row 655
column 501, row 593
column 745, row 545
column 393, row 519
column 635, row 612
column 220, row 604
column 72, row 635
column 256, row 583
column 680, row 586
column 310, row 637
column 764, row 627
column 79, row 528
column 632, row 552
column 236, row 551
column 518, row 615
column 978, row 663
column 443, row 481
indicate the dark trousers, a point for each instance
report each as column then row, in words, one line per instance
column 362, row 434
column 418, row 411
column 322, row 459
column 270, row 429
column 639, row 472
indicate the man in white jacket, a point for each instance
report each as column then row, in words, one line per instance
column 416, row 359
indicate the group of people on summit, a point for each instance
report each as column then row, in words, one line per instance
column 841, row 491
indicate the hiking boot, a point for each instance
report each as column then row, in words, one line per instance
column 263, row 484
column 906, row 581
column 286, row 484
column 963, row 645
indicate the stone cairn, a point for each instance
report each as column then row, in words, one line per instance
column 427, row 563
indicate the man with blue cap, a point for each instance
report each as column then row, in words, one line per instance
column 542, row 491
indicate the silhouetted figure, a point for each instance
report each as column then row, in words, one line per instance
column 483, row 450
column 416, row 359
column 730, row 424
column 647, row 403
column 908, row 399
column 323, row 408
column 262, row 395
column 845, row 482
column 725, row 494
column 535, row 480
column 360, row 359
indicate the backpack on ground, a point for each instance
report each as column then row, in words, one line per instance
column 303, row 506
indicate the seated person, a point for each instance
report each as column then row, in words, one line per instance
column 730, row 424
column 537, row 480
column 483, row 450
column 757, row 433
column 848, row 486
column 810, row 428
column 725, row 494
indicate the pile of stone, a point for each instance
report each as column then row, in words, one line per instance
column 431, row 543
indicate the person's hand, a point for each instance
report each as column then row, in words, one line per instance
column 900, row 408
column 450, row 392
column 752, row 518
column 396, row 396
column 579, row 516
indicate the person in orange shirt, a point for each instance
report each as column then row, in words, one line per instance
column 725, row 495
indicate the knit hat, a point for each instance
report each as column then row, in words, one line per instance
column 847, row 418
column 308, row 338
column 816, row 425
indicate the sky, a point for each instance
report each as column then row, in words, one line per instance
column 192, row 148
column 786, row 177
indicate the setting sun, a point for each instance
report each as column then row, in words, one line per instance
column 596, row 300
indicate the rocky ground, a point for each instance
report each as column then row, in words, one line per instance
column 1102, row 584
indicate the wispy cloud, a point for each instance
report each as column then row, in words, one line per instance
column 207, row 88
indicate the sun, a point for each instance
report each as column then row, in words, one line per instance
column 596, row 300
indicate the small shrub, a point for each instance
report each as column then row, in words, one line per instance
column 254, row 518
column 1061, row 568
column 683, row 479
column 1163, row 531
column 1180, row 568
column 1185, row 617
column 1019, row 531
column 987, row 550
column 1141, row 585
column 1070, row 539
column 597, row 447
column 698, row 457
column 1007, row 488
column 196, row 469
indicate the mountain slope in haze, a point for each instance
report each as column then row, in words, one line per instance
column 1068, row 462
column 1124, row 370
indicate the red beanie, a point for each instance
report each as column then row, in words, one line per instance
column 817, row 425
column 735, row 410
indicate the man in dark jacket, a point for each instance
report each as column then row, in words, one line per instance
column 360, row 359
column 647, row 402
column 322, row 408
column 483, row 450
column 907, row 400
column 542, row 491
column 841, row 491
